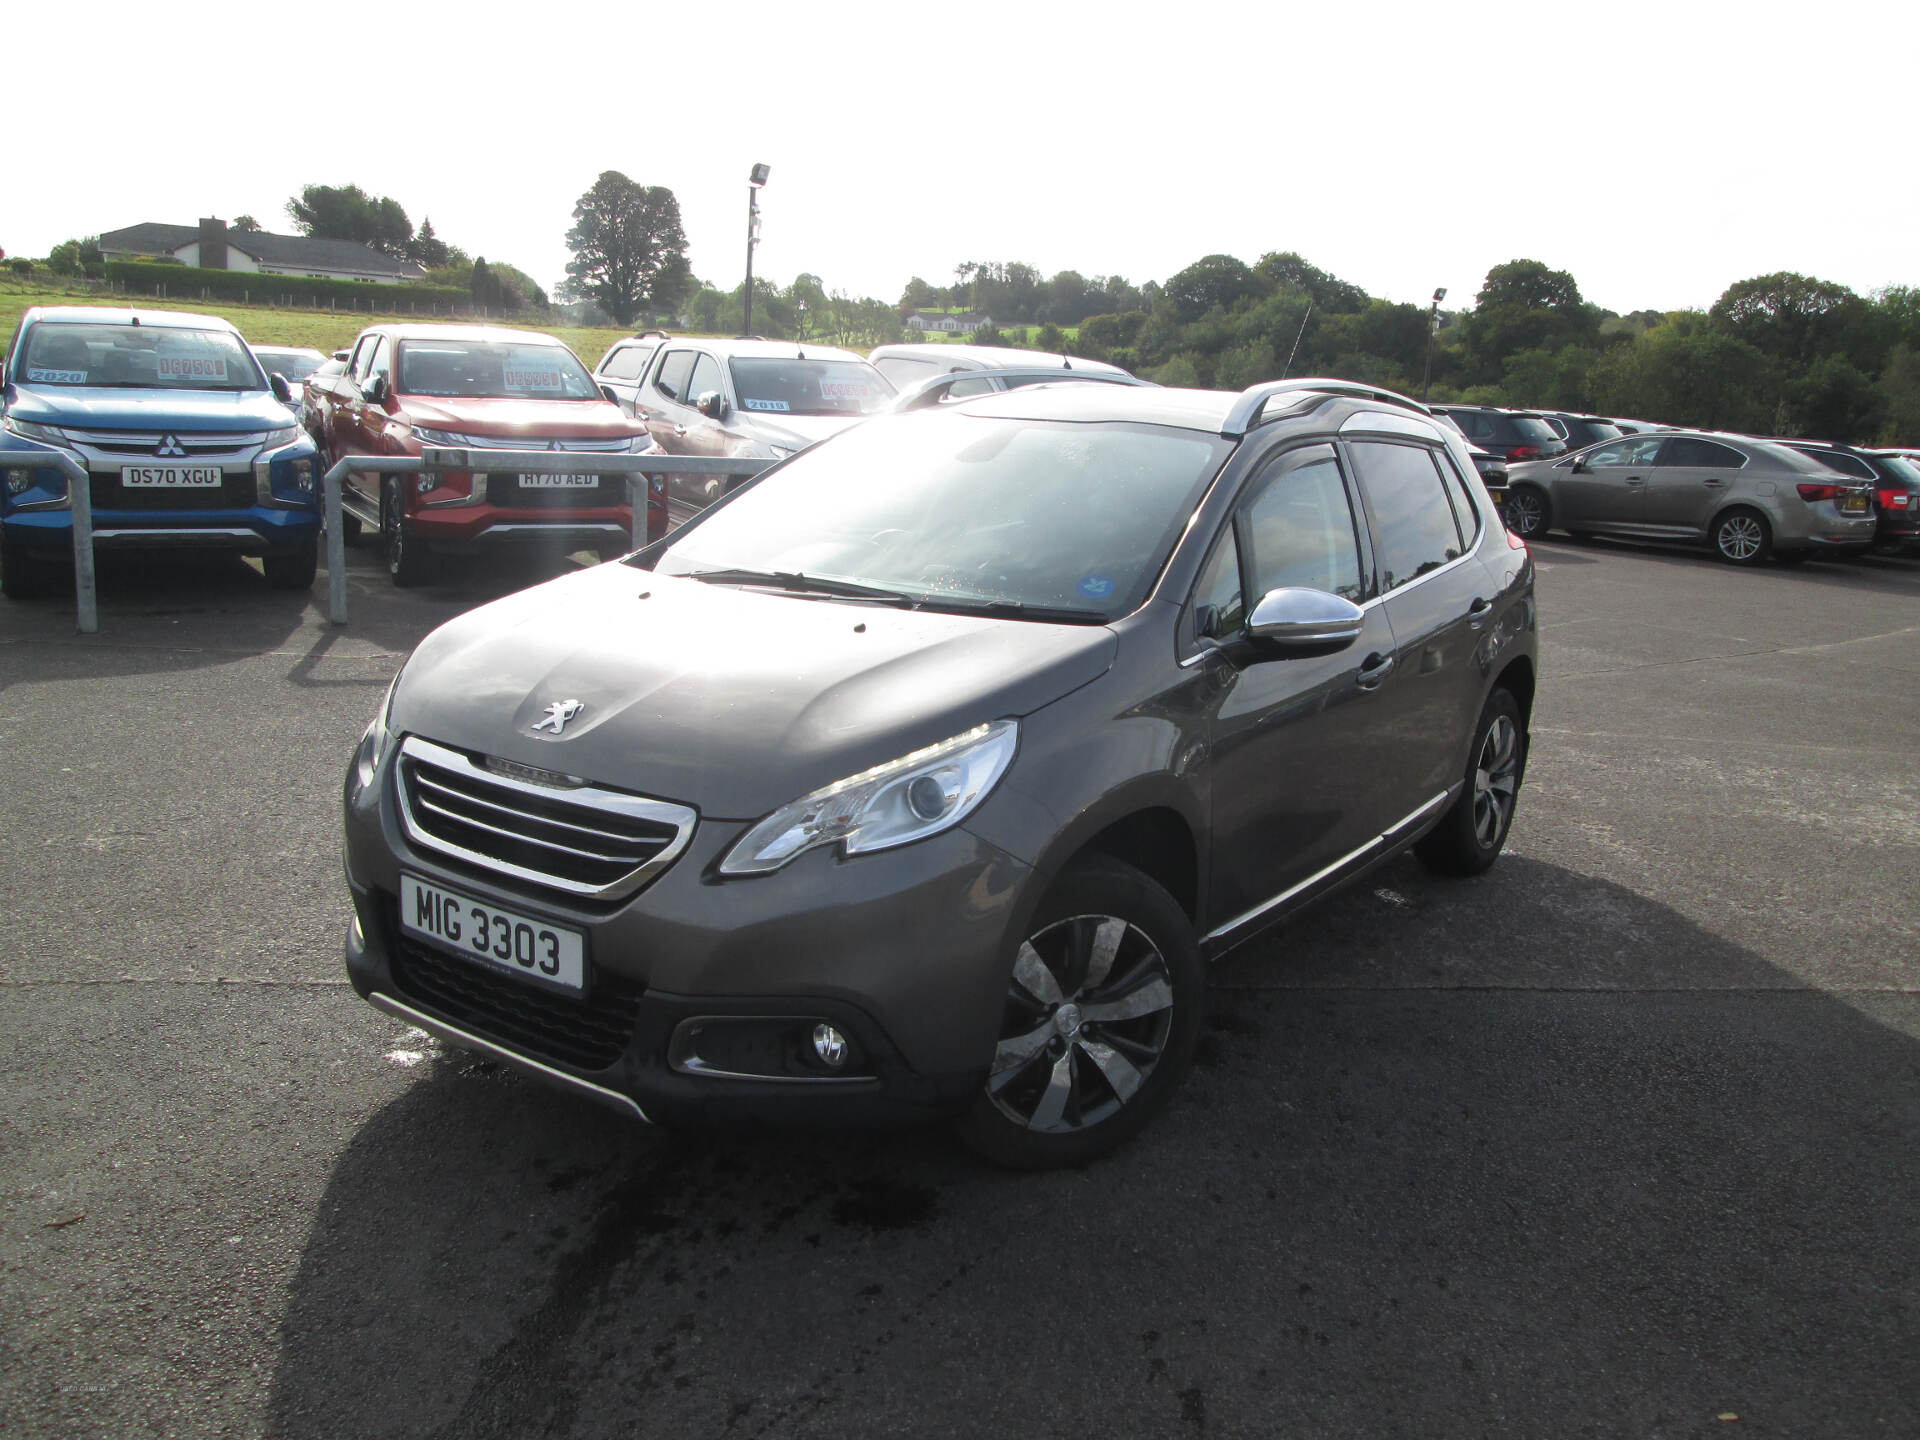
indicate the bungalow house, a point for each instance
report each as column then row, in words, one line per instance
column 939, row 322
column 210, row 245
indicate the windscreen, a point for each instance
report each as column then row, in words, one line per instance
column 1535, row 430
column 294, row 364
column 499, row 369
column 810, row 387
column 145, row 357
column 964, row 511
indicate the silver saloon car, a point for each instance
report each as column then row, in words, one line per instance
column 1748, row 499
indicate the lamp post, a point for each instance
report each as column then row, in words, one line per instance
column 801, row 306
column 1433, row 329
column 755, row 179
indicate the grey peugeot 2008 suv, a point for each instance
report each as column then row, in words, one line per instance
column 922, row 774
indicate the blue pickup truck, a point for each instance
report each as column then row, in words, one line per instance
column 187, row 442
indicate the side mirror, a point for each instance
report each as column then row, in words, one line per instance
column 341, row 355
column 711, row 404
column 1580, row 467
column 3, row 375
column 375, row 389
column 1295, row 618
column 607, row 390
column 282, row 392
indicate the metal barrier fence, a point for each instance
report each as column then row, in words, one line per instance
column 437, row 460
column 537, row 462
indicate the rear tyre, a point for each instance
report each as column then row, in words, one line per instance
column 23, row 575
column 409, row 562
column 295, row 571
column 1528, row 512
column 1101, row 1016
column 1742, row 537
column 1470, row 836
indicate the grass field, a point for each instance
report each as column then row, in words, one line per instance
column 324, row 330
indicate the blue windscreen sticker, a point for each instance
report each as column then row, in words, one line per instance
column 1096, row 587
column 765, row 404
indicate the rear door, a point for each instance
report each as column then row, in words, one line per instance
column 1689, row 482
column 1438, row 597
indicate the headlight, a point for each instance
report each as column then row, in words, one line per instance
column 46, row 434
column 427, row 436
column 274, row 439
column 374, row 744
column 640, row 444
column 893, row 804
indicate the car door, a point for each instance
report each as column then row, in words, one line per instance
column 1295, row 784
column 350, row 416
column 666, row 407
column 1689, row 482
column 1607, row 486
column 1438, row 597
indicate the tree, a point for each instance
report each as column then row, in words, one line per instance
column 1687, row 371
column 246, row 225
column 346, row 212
column 1797, row 319
column 78, row 257
column 1215, row 280
column 628, row 248
column 919, row 295
column 1330, row 295
column 1524, row 306
column 428, row 248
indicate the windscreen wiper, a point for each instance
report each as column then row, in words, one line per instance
column 1013, row 610
column 796, row 583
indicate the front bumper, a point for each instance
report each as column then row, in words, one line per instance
column 247, row 532
column 905, row 952
column 470, row 529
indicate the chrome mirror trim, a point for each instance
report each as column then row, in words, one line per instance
column 1296, row 616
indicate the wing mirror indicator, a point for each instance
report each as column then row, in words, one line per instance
column 1296, row 618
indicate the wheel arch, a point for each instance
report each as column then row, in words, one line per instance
column 1149, row 825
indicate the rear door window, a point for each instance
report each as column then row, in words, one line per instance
column 1414, row 527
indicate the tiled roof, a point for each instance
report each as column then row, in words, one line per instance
column 307, row 252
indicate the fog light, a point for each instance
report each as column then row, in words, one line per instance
column 425, row 485
column 830, row 1046
column 18, row 480
column 303, row 476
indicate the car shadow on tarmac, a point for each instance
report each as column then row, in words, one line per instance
column 1894, row 574
column 1529, row 1155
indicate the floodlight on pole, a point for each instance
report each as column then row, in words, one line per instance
column 755, row 179
column 1433, row 329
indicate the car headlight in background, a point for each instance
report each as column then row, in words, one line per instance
column 893, row 804
column 427, row 436
column 45, row 434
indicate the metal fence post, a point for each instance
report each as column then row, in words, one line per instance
column 330, row 484
column 80, row 502
column 638, row 483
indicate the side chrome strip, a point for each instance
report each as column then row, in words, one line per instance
column 1267, row 906
column 453, row 1034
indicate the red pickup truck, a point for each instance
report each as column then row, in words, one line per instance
column 477, row 387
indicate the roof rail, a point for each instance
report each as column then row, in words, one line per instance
column 927, row 393
column 1246, row 412
column 649, row 334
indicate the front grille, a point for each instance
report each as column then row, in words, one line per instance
column 565, row 835
column 587, row 1034
column 237, row 491
column 147, row 443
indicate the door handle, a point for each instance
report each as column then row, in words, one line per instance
column 1713, row 481
column 1477, row 611
column 1635, row 480
column 1375, row 668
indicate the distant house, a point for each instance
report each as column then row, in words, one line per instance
column 210, row 245
column 940, row 322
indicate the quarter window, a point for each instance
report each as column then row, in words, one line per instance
column 1219, row 610
column 382, row 361
column 1299, row 530
column 1413, row 522
column 363, row 356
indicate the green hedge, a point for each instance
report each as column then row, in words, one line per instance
column 185, row 283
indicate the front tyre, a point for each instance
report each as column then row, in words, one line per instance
column 1528, row 513
column 1742, row 537
column 295, row 571
column 1469, row 837
column 409, row 563
column 1101, row 1017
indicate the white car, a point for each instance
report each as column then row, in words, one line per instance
column 909, row 365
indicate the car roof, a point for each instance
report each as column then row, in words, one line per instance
column 752, row 349
column 122, row 315
column 288, row 350
column 468, row 332
column 988, row 356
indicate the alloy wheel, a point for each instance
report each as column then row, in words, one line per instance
column 1741, row 537
column 1526, row 514
column 1088, row 1017
column 1496, row 779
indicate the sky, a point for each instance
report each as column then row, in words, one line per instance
column 1658, row 152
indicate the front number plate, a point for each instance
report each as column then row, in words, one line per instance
column 171, row 477
column 557, row 482
column 488, row 935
